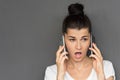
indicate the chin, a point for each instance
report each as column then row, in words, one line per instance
column 79, row 59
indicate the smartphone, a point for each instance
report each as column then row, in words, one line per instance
column 92, row 40
column 63, row 40
column 62, row 43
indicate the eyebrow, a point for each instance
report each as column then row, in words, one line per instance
column 71, row 36
column 74, row 37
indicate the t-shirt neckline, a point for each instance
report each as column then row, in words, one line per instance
column 70, row 77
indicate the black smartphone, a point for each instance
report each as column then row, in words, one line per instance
column 62, row 43
column 92, row 40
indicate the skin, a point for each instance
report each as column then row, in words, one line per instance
column 79, row 41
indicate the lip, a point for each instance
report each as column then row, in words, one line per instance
column 78, row 55
column 78, row 52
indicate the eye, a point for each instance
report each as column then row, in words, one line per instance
column 71, row 40
column 84, row 39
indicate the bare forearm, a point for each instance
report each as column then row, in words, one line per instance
column 60, row 77
column 101, row 76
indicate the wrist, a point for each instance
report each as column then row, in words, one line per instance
column 101, row 76
column 60, row 77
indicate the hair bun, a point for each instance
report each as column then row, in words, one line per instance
column 76, row 9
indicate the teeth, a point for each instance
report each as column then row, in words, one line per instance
column 78, row 53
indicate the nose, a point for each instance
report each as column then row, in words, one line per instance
column 78, row 45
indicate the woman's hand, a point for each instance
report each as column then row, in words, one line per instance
column 61, row 63
column 97, row 62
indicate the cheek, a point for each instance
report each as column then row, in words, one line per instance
column 87, row 45
column 69, row 46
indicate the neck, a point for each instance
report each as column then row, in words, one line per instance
column 78, row 64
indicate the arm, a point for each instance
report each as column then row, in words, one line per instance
column 103, row 69
column 103, row 78
column 110, row 78
column 61, row 63
column 97, row 62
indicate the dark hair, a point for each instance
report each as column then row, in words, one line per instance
column 76, row 19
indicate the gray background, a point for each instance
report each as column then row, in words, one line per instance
column 30, row 31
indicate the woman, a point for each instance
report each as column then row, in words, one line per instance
column 75, row 63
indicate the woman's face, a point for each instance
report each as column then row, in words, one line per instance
column 77, row 43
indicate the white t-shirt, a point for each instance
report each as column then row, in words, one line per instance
column 51, row 72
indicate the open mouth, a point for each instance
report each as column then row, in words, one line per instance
column 78, row 54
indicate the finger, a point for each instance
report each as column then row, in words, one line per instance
column 59, row 51
column 94, row 57
column 64, row 58
column 62, row 55
column 95, row 52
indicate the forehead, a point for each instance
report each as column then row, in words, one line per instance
column 77, row 32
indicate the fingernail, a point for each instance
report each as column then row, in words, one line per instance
column 89, row 48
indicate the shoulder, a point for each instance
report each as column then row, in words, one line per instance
column 108, row 68
column 51, row 72
column 107, row 63
column 51, row 69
